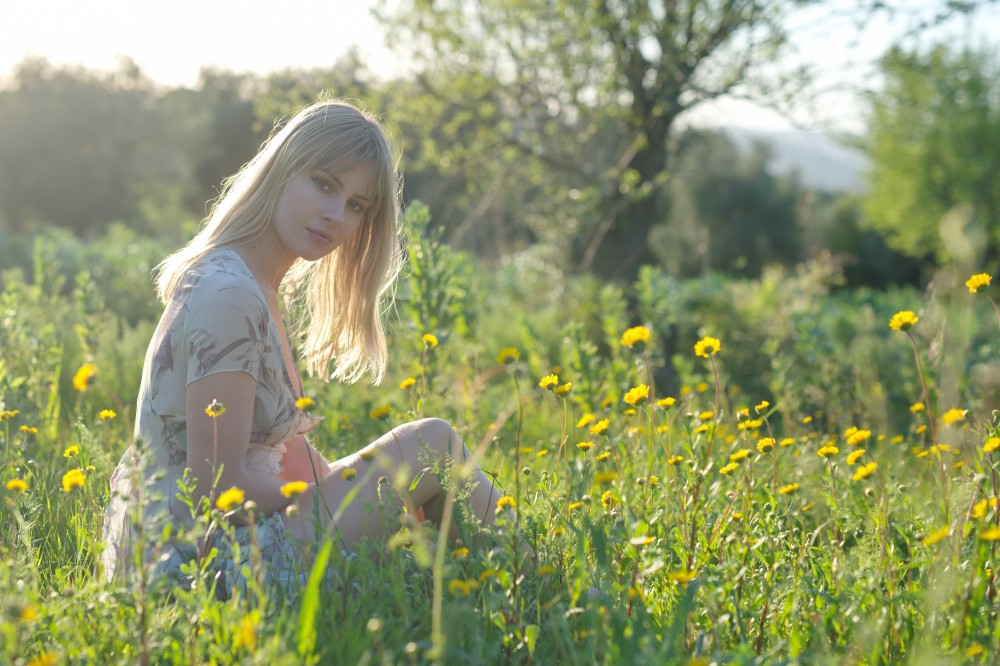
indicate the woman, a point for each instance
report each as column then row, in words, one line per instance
column 315, row 214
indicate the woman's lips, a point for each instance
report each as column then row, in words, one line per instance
column 320, row 237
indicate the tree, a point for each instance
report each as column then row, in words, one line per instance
column 935, row 146
column 586, row 94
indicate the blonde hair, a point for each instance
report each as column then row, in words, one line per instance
column 336, row 302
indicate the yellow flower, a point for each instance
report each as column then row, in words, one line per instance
column 666, row 402
column 978, row 281
column 6, row 415
column 855, row 436
column 73, row 479
column 853, row 456
column 46, row 659
column 979, row 508
column 604, row 478
column 764, row 404
column 294, row 488
column 407, row 383
column 542, row 453
column 806, row 420
column 247, row 635
column 898, row 439
column 707, row 347
column 864, row 471
column 506, row 502
column 654, row 480
column 584, row 446
column 430, row 340
column 380, row 413
column 991, row 445
column 936, row 536
column 765, row 443
column 953, row 416
column 752, row 424
column 739, row 455
column 731, row 467
column 305, row 403
column 575, row 505
column 974, row 650
column 600, row 427
column 683, row 577
column 917, row 407
column 920, row 429
column 787, row 441
column 636, row 337
column 461, row 552
column 608, row 499
column 215, row 409
column 85, row 377
column 546, row 570
column 487, row 574
column 458, row 588
column 586, row 419
column 71, row 451
column 348, row 473
column 637, row 395
column 31, row 430
column 701, row 387
column 563, row 389
column 549, row 382
column 28, row 613
column 673, row 460
column 107, row 414
column 601, row 457
column 789, row 489
column 991, row 533
column 17, row 485
column 508, row 355
column 231, row 498
column 903, row 320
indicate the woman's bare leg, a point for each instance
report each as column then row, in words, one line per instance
column 398, row 456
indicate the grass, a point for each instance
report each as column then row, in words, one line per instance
column 670, row 514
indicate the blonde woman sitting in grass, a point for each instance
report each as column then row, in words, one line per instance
column 313, row 216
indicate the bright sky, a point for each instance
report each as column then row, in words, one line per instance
column 172, row 41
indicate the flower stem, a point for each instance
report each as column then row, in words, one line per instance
column 923, row 384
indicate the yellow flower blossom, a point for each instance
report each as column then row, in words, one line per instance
column 380, row 413
column 584, row 446
column 765, row 444
column 294, row 488
column 31, row 430
column 864, row 471
column 542, row 453
column 764, row 404
column 787, row 441
column 974, row 650
column 635, row 337
column 991, row 445
column 666, row 402
column 731, row 467
column 991, row 533
column 856, row 436
column 705, row 416
column 461, row 552
column 45, row 659
column 936, row 536
column 701, row 387
column 85, row 377
column 549, row 382
column 575, row 505
column 71, row 451
column 546, row 570
column 788, row 489
column 17, row 485
column 978, row 281
column 305, row 403
column 707, row 347
column 215, row 409
column 903, row 320
column 233, row 497
column 637, row 395
column 605, row 477
column 953, row 416
column 348, row 473
column 654, row 480
column 806, row 420
column 601, row 457
column 430, row 340
column 608, row 499
column 917, row 407
column 683, row 577
column 585, row 420
column 506, row 502
column 247, row 635
column 508, row 355
column 752, row 424
column 458, row 587
column 73, row 479
column 853, row 456
column 920, row 429
column 107, row 414
column 673, row 460
column 739, row 455
column 563, row 389
column 600, row 427
column 409, row 382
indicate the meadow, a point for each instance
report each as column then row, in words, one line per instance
column 775, row 470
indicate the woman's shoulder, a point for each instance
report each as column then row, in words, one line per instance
column 220, row 278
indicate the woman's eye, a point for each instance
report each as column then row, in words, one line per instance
column 322, row 184
column 357, row 207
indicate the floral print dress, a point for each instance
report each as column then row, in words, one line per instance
column 217, row 321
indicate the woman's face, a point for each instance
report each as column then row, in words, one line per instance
column 317, row 211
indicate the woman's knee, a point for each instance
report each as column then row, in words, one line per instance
column 437, row 435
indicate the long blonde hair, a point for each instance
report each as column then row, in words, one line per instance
column 338, row 301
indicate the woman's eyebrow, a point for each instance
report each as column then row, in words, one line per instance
column 337, row 180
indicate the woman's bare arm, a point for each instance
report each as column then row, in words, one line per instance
column 302, row 462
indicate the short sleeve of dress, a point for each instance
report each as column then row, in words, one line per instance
column 226, row 329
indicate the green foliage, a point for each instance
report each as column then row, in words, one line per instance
column 934, row 147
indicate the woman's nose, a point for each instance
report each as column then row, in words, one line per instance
column 335, row 208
